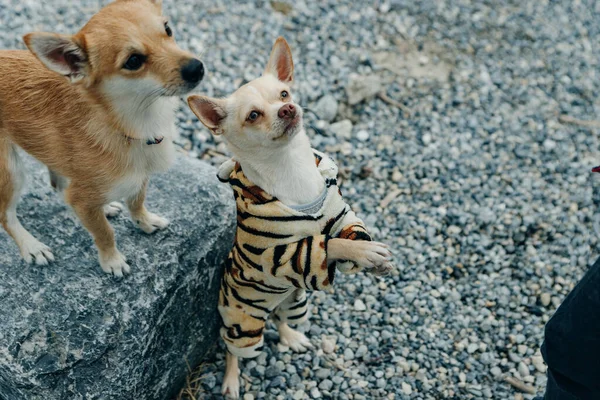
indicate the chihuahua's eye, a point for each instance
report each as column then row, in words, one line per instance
column 134, row 62
column 168, row 29
column 284, row 94
column 253, row 116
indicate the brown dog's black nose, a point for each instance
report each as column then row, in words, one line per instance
column 287, row 111
column 193, row 71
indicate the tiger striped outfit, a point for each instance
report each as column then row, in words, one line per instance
column 278, row 255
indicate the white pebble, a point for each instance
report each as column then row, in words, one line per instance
column 359, row 305
column 362, row 135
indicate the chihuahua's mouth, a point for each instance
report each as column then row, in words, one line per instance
column 596, row 169
column 291, row 128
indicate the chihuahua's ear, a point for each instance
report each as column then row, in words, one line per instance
column 280, row 63
column 59, row 53
column 211, row 112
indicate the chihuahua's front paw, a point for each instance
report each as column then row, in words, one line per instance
column 374, row 257
column 150, row 223
column 34, row 251
column 382, row 270
column 297, row 341
column 115, row 264
column 231, row 386
column 226, row 169
column 113, row 209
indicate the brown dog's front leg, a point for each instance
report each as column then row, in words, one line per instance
column 144, row 219
column 92, row 217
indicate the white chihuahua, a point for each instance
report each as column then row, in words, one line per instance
column 294, row 229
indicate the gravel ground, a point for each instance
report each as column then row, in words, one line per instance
column 469, row 169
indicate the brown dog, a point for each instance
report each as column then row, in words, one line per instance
column 98, row 109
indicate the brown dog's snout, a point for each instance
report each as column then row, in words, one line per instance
column 193, row 71
column 287, row 111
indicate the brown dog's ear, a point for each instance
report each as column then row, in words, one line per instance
column 281, row 63
column 59, row 53
column 157, row 2
column 211, row 112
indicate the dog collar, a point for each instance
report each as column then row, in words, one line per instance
column 157, row 140
column 149, row 142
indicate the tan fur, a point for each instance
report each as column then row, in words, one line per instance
column 81, row 129
column 6, row 183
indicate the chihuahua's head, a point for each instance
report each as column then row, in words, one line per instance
column 261, row 113
column 127, row 47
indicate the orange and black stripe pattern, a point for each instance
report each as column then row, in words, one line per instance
column 279, row 254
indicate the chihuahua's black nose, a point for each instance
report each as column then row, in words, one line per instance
column 287, row 111
column 193, row 71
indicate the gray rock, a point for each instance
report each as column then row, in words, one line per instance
column 326, row 108
column 362, row 135
column 342, row 129
column 348, row 354
column 69, row 331
column 545, row 299
column 328, row 345
column 314, row 393
column 361, row 351
column 359, row 305
column 322, row 373
column 326, row 385
column 363, row 87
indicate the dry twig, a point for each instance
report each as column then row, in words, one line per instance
column 383, row 96
column 517, row 384
column 566, row 119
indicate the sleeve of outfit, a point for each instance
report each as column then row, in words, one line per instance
column 353, row 228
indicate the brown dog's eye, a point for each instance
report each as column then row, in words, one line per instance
column 284, row 94
column 168, row 29
column 253, row 116
column 134, row 62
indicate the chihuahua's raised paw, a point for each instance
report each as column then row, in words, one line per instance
column 226, row 169
column 150, row 223
column 115, row 264
column 383, row 269
column 297, row 341
column 113, row 209
column 374, row 257
column 34, row 251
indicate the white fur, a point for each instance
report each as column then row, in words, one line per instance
column 31, row 249
column 288, row 172
column 295, row 340
column 149, row 116
column 115, row 264
column 276, row 155
column 141, row 106
column 150, row 222
column 113, row 209
column 231, row 381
